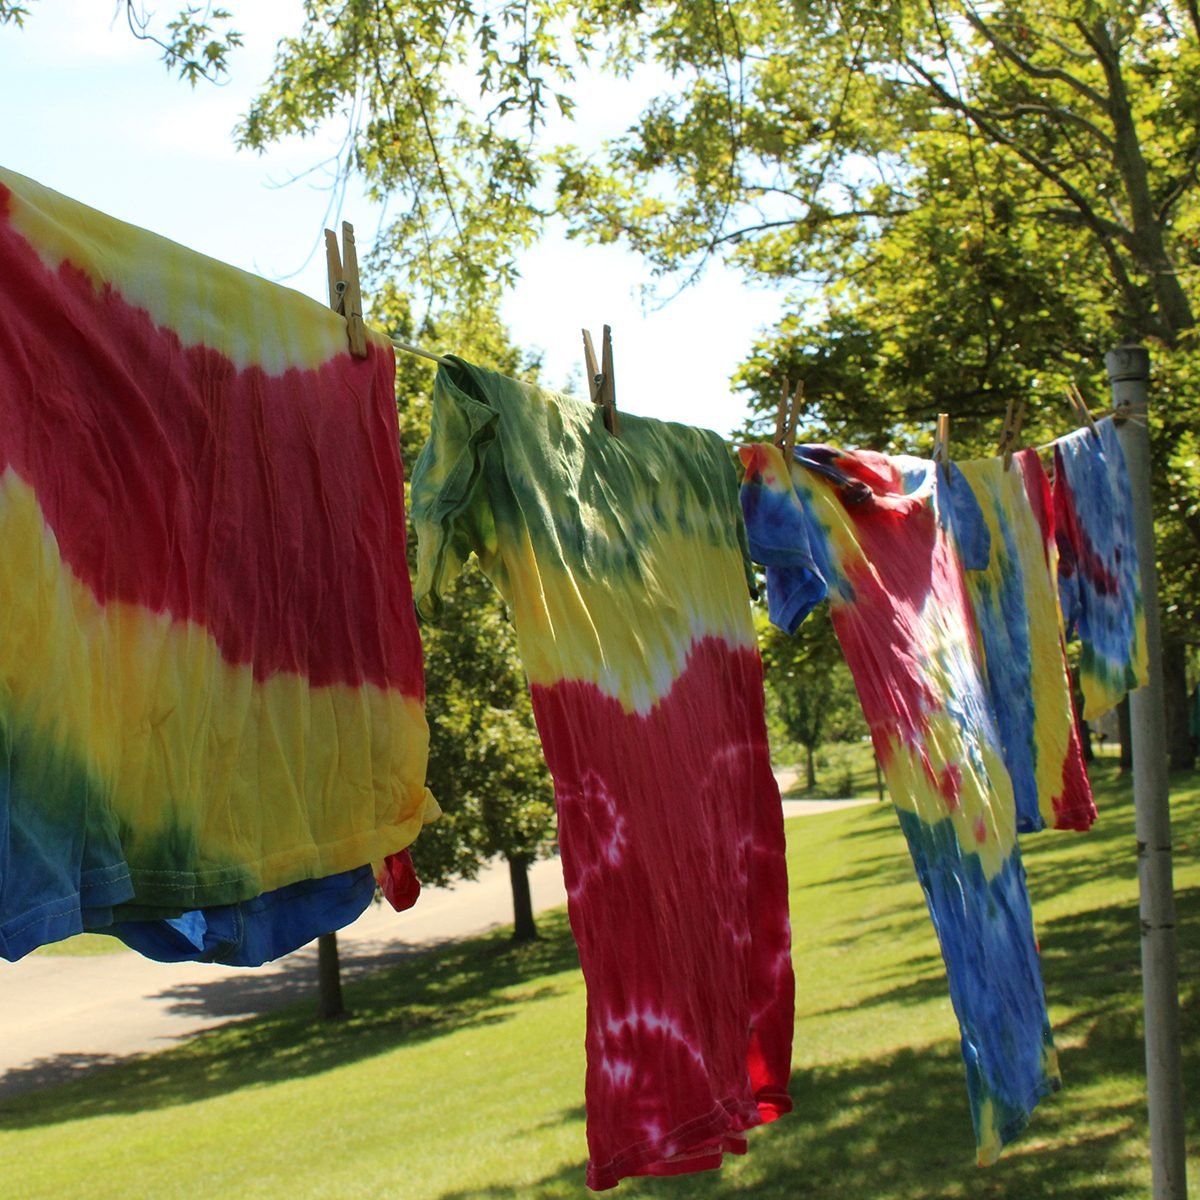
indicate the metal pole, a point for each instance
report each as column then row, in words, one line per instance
column 1128, row 373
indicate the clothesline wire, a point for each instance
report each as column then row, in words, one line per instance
column 437, row 358
column 1129, row 413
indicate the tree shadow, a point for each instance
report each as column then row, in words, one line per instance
column 292, row 980
column 889, row 1128
column 896, row 1126
column 426, row 995
column 59, row 1068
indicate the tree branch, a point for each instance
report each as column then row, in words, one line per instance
column 1179, row 189
column 1101, row 46
column 826, row 218
column 1194, row 15
column 426, row 122
column 1068, row 118
column 1028, row 67
column 1103, row 229
column 1148, row 246
column 1070, row 51
column 1072, row 216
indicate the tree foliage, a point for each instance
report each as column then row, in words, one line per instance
column 809, row 688
column 486, row 766
column 790, row 138
column 970, row 201
column 199, row 39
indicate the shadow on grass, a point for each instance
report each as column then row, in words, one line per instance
column 896, row 1126
column 891, row 1128
column 429, row 994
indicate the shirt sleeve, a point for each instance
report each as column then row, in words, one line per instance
column 451, row 514
column 960, row 514
column 1066, row 538
column 778, row 533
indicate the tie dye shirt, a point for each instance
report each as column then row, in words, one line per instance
column 622, row 562
column 873, row 530
column 1099, row 586
column 211, row 683
column 1015, row 605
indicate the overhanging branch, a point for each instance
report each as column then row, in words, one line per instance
column 1028, row 67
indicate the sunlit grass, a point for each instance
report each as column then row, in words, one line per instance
column 843, row 770
column 459, row 1075
column 84, row 945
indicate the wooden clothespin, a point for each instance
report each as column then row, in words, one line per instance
column 345, row 295
column 600, row 379
column 787, row 418
column 1011, row 432
column 941, row 441
column 1079, row 407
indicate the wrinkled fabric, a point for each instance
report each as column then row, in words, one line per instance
column 876, row 532
column 211, row 682
column 622, row 562
column 397, row 880
column 253, row 931
column 1015, row 604
column 1100, row 589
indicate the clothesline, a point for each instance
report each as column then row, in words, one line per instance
column 428, row 354
column 1125, row 413
column 705, row 1051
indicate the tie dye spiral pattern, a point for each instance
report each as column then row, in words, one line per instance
column 622, row 562
column 210, row 678
column 1099, row 586
column 1015, row 604
column 873, row 531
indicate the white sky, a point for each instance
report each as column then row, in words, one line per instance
column 94, row 114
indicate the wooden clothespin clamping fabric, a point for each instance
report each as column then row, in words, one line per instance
column 787, row 419
column 1010, row 434
column 600, row 379
column 345, row 294
column 1079, row 407
column 941, row 443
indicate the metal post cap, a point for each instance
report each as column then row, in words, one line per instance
column 1127, row 363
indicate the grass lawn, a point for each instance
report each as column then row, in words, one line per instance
column 460, row 1075
column 84, row 945
column 843, row 770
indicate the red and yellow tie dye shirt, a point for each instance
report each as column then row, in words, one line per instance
column 210, row 677
column 622, row 562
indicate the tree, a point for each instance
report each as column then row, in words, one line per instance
column 972, row 200
column 809, row 687
column 784, row 141
column 486, row 766
column 330, row 1004
column 485, row 763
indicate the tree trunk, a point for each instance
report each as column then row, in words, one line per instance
column 1125, row 735
column 524, row 926
column 1085, row 738
column 878, row 775
column 1180, row 747
column 810, row 767
column 329, row 979
column 1147, row 233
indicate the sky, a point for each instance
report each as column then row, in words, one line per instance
column 94, row 114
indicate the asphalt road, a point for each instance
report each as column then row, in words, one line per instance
column 64, row 1015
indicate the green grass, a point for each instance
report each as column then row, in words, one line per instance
column 84, row 945
column 460, row 1075
column 843, row 770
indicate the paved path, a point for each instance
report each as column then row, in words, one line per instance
column 62, row 1015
